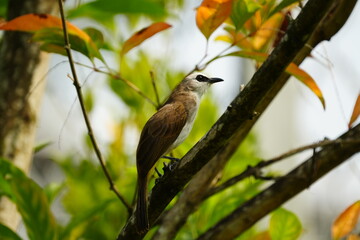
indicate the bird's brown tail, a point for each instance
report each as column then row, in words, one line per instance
column 142, row 220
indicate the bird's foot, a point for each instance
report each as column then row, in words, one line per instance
column 172, row 159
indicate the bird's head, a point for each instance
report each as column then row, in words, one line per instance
column 199, row 82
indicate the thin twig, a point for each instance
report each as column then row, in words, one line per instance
column 155, row 89
column 118, row 77
column 82, row 105
column 256, row 170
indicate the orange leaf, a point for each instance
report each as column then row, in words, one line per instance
column 142, row 35
column 239, row 39
column 292, row 69
column 262, row 236
column 353, row 237
column 346, row 221
column 305, row 78
column 36, row 22
column 267, row 31
column 356, row 112
column 211, row 14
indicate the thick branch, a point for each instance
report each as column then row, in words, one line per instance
column 286, row 187
column 240, row 115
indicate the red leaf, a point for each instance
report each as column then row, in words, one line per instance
column 356, row 111
column 142, row 35
column 211, row 14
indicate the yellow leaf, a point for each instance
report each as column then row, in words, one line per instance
column 211, row 14
column 36, row 22
column 346, row 221
column 239, row 39
column 225, row 38
column 267, row 31
column 142, row 35
column 356, row 111
column 305, row 78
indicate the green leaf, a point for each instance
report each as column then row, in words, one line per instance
column 76, row 226
column 53, row 41
column 41, row 146
column 242, row 10
column 281, row 5
column 7, row 233
column 104, row 11
column 284, row 225
column 52, row 190
column 31, row 203
column 3, row 8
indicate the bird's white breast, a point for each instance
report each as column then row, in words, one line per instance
column 187, row 128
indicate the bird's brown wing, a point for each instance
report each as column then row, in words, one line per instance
column 160, row 131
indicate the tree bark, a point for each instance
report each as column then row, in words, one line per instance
column 23, row 70
column 247, row 107
column 196, row 191
column 286, row 187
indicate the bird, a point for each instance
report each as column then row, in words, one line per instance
column 164, row 131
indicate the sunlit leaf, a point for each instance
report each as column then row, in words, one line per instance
column 267, row 31
column 225, row 38
column 7, row 234
column 142, row 35
column 305, row 78
column 31, row 203
column 346, row 221
column 211, row 14
column 47, row 29
column 243, row 10
column 356, row 112
column 292, row 69
column 283, row 4
column 284, row 225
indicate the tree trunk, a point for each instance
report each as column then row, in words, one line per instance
column 23, row 70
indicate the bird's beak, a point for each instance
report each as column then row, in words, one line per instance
column 215, row 80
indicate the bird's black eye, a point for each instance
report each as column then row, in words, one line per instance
column 201, row 78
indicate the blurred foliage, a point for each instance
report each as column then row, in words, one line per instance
column 94, row 211
column 3, row 8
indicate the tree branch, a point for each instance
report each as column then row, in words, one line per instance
column 286, row 187
column 242, row 113
column 83, row 110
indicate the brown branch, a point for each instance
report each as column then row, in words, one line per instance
column 286, row 187
column 83, row 110
column 255, row 171
column 153, row 83
column 244, row 111
column 240, row 115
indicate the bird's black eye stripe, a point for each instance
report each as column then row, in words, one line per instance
column 201, row 78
